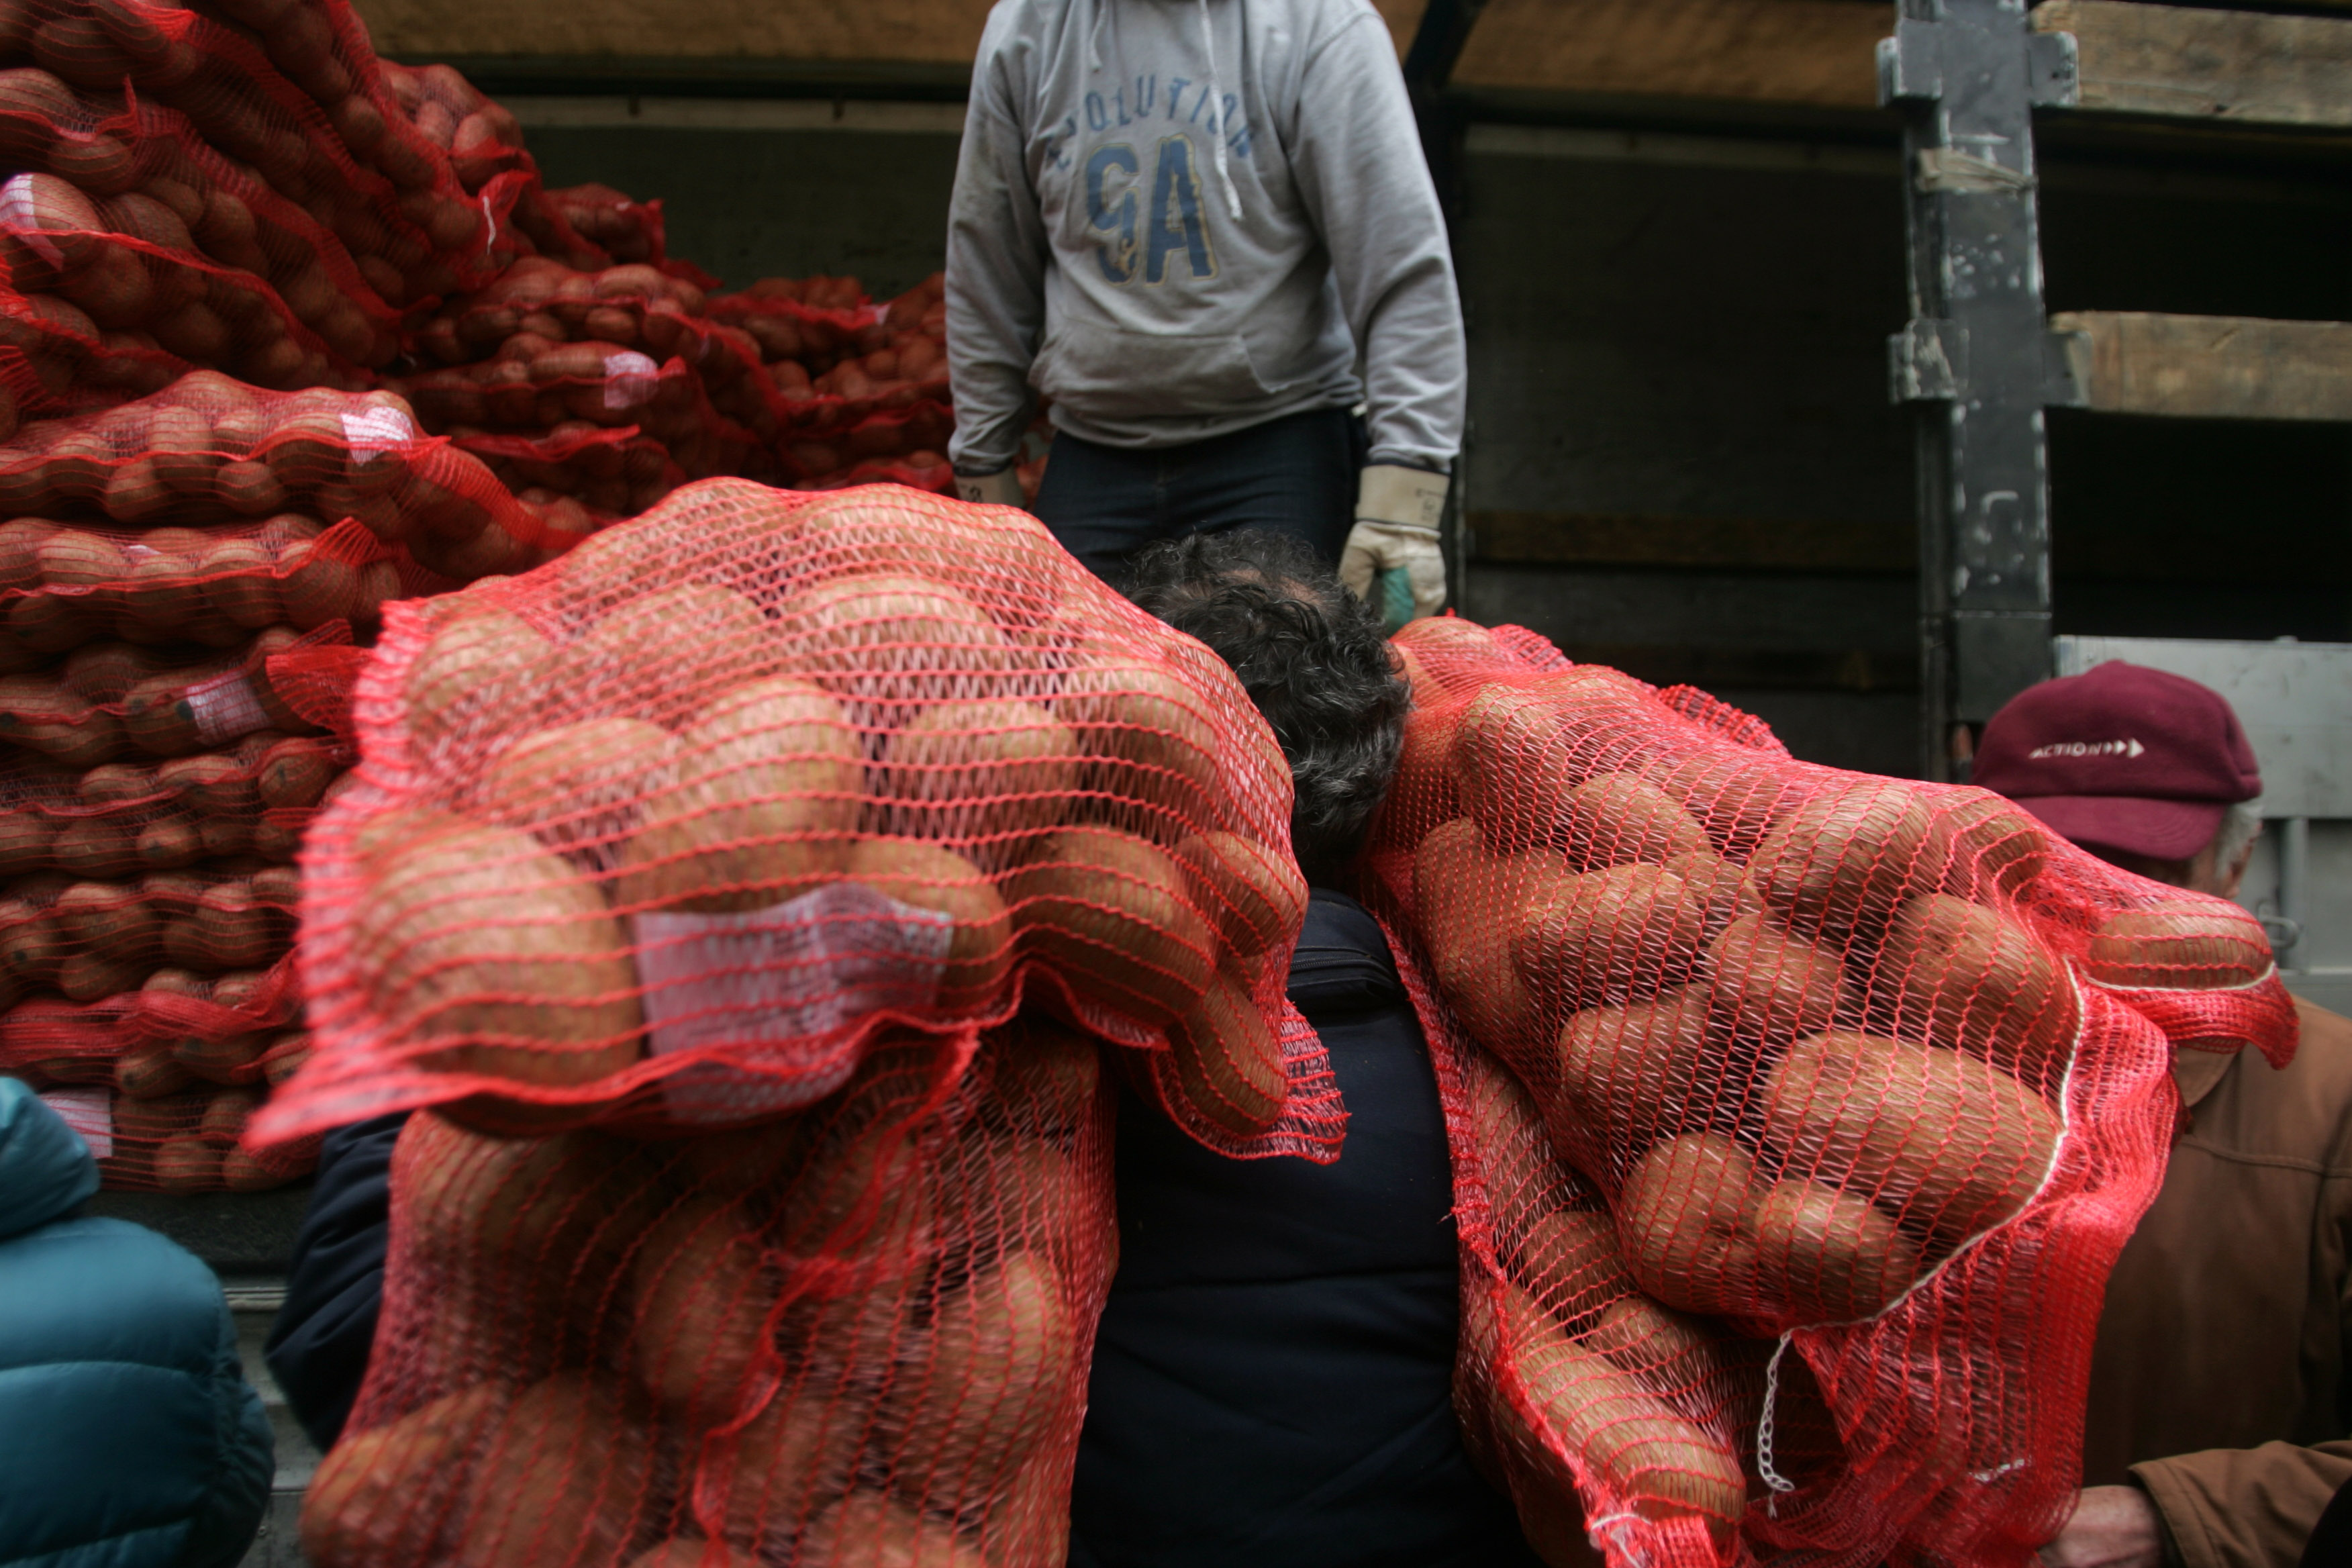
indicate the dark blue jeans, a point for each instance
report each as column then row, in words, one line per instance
column 1295, row 475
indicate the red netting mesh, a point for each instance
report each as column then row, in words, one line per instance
column 667, row 829
column 1797, row 1115
column 859, row 1335
column 279, row 469
column 780, row 865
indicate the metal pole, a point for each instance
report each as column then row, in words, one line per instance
column 1976, row 357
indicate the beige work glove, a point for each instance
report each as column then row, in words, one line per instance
column 1396, row 539
column 1001, row 487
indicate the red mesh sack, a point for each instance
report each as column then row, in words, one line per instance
column 617, row 471
column 856, row 1335
column 292, row 92
column 181, row 1142
column 624, row 228
column 208, row 449
column 536, row 386
column 744, row 780
column 1797, row 1115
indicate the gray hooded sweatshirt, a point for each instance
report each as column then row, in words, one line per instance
column 1178, row 218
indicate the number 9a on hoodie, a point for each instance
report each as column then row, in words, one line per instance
column 1140, row 239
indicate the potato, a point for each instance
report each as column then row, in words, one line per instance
column 1519, row 750
column 565, row 1478
column 1254, row 895
column 31, row 946
column 1951, row 1143
column 1450, row 637
column 1735, row 795
column 112, row 918
column 25, row 839
column 150, row 1071
column 243, row 1172
column 1824, row 1256
column 1988, row 847
column 230, row 927
column 1569, row 1260
column 970, row 770
column 2199, row 945
column 1724, row 891
column 580, row 785
column 980, row 952
column 94, row 846
column 213, row 784
column 187, row 1165
column 868, row 1529
column 700, row 1302
column 1420, row 793
column 94, row 976
column 484, row 953
column 1459, row 887
column 890, row 639
column 1620, row 819
column 534, row 1213
column 1151, row 733
column 226, row 1116
column 1684, row 1360
column 1846, row 858
column 1682, row 1223
column 1110, row 912
column 767, row 794
column 1634, row 1444
column 1003, row 1366
column 1229, row 1061
column 672, row 643
column 1958, row 974
column 1609, row 936
column 794, row 1458
column 1042, row 1077
column 1523, row 1177
column 218, row 1058
column 1629, row 1075
column 295, row 772
column 864, row 1194
column 1765, row 987
column 484, row 668
column 383, row 1495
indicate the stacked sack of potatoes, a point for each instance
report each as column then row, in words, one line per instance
column 750, row 894
column 864, row 388
column 173, row 575
column 1797, row 1114
column 602, row 389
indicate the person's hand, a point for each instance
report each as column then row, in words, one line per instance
column 2112, row 1527
column 1397, row 510
column 999, row 488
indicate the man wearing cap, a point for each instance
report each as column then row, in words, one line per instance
column 2219, row 1376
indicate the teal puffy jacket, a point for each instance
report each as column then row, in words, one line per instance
column 129, row 1437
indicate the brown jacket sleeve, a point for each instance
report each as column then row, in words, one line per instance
column 2246, row 1507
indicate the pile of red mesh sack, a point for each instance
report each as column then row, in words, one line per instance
column 863, row 389
column 757, row 895
column 1797, row 1115
column 180, row 587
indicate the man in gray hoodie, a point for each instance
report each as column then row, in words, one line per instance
column 1203, row 229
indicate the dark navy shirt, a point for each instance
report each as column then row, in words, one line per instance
column 1273, row 1378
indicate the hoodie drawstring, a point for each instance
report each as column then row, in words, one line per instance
column 1094, row 36
column 1217, row 96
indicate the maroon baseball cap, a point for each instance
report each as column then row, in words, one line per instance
column 2121, row 756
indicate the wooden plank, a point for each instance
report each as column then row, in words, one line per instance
column 2210, row 367
column 921, row 32
column 1640, row 538
column 1783, row 52
column 2180, row 62
column 927, row 32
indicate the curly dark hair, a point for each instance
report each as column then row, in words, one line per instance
column 1311, row 656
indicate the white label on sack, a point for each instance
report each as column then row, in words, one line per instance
column 90, row 1112
column 779, row 988
column 135, row 553
column 224, row 707
column 19, row 216
column 372, row 432
column 877, row 315
column 629, row 378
